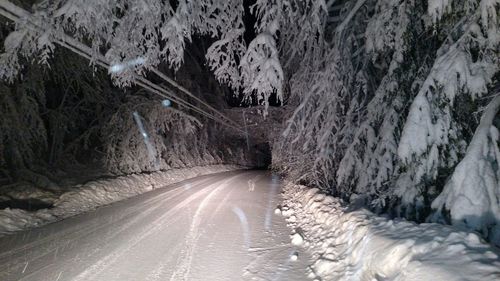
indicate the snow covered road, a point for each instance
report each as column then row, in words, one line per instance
column 215, row 227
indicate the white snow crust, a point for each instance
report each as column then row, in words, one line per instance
column 350, row 244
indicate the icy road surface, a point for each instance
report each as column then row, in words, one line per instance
column 215, row 227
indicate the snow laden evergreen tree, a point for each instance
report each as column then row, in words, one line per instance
column 387, row 109
column 435, row 134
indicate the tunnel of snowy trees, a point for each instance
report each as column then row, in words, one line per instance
column 390, row 104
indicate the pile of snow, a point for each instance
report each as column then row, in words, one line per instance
column 97, row 193
column 297, row 239
column 359, row 245
column 294, row 256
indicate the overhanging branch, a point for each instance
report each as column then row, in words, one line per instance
column 16, row 13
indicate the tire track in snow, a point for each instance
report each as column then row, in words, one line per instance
column 183, row 267
column 108, row 260
column 70, row 231
column 145, row 210
column 157, row 274
column 160, row 270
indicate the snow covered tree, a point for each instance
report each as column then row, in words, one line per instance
column 432, row 138
column 383, row 114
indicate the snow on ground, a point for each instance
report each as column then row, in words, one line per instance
column 210, row 228
column 100, row 192
column 350, row 244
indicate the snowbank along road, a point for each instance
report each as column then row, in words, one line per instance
column 216, row 227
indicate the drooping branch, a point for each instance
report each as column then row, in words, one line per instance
column 19, row 15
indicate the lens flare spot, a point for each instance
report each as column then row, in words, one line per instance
column 166, row 103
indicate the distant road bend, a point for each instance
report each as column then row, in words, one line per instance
column 216, row 227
